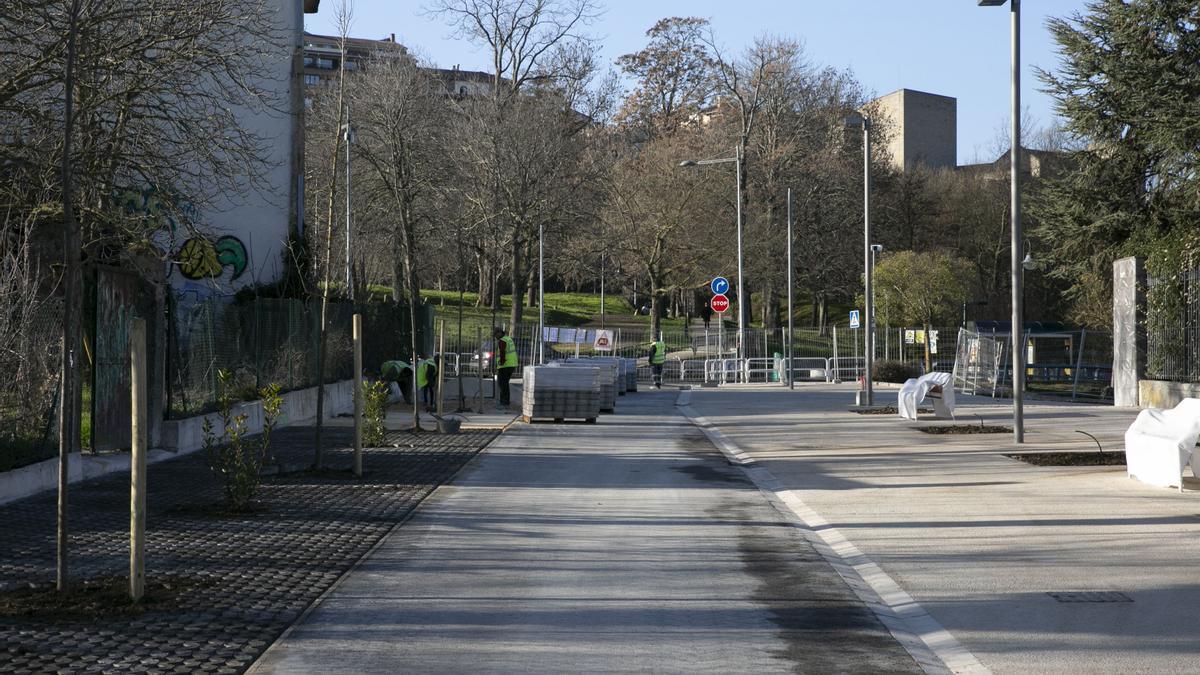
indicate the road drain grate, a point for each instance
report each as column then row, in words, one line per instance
column 1090, row 596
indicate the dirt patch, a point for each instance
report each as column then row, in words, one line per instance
column 1071, row 458
column 967, row 429
column 95, row 598
column 888, row 410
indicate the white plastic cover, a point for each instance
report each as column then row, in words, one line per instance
column 1160, row 443
column 915, row 390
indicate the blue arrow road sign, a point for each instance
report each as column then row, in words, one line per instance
column 720, row 286
column 854, row 322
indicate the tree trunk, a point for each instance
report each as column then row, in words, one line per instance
column 518, row 285
column 483, row 291
column 532, row 285
column 656, row 306
column 770, row 308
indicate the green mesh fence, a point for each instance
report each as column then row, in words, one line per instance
column 266, row 341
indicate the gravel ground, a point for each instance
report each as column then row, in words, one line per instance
column 225, row 585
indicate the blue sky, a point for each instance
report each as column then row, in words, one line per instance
column 950, row 47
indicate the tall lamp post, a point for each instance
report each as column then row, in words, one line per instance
column 737, row 160
column 350, row 137
column 541, row 337
column 852, row 121
column 1018, row 342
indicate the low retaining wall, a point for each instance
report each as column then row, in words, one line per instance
column 1156, row 394
column 179, row 437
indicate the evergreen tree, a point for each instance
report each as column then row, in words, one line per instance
column 1129, row 90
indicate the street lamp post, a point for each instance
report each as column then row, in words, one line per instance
column 349, row 137
column 868, row 301
column 741, row 298
column 791, row 379
column 541, row 338
column 1018, row 343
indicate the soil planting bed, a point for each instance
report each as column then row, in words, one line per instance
column 1071, row 458
column 889, row 410
column 968, row 429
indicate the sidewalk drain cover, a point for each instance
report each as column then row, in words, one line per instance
column 1090, row 596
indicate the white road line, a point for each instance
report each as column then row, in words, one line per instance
column 931, row 645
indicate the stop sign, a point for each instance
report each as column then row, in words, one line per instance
column 719, row 303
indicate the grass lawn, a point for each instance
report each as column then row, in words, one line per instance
column 579, row 309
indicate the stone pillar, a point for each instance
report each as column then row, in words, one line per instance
column 1129, row 336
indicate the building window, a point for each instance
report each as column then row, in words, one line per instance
column 462, row 91
column 325, row 64
column 310, row 61
column 312, row 79
column 351, row 65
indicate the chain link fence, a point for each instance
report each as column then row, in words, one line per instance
column 1173, row 328
column 266, row 341
column 30, row 340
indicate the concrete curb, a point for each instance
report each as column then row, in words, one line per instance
column 182, row 437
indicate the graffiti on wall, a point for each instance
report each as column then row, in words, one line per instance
column 201, row 258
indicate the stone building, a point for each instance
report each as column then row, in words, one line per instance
column 922, row 128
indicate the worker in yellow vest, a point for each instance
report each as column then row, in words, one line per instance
column 658, row 356
column 506, row 365
column 427, row 381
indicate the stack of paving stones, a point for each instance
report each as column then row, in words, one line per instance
column 630, row 374
column 610, row 379
column 245, row 578
column 559, row 393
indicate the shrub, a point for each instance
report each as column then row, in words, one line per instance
column 375, row 395
column 235, row 458
column 894, row 371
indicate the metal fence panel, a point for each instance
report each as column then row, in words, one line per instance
column 266, row 341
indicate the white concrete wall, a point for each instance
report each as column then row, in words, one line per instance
column 261, row 218
column 180, row 437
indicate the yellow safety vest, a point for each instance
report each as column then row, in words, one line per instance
column 510, row 353
column 660, row 353
column 423, row 373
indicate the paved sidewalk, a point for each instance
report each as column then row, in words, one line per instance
column 628, row 545
column 236, row 581
column 981, row 540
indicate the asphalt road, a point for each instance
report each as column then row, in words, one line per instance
column 629, row 545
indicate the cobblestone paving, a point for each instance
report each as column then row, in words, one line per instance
column 249, row 577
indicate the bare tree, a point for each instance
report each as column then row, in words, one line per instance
column 744, row 81
column 526, row 38
column 674, row 74
column 658, row 214
column 343, row 18
column 402, row 135
column 521, row 34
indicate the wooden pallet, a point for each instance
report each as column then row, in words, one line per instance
column 556, row 420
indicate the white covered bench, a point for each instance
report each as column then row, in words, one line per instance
column 1160, row 443
column 936, row 386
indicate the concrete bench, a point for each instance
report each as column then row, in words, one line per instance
column 1160, row 443
column 939, row 387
